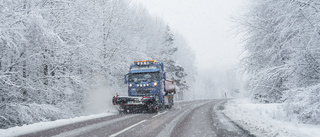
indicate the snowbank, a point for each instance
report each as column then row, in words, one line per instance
column 25, row 129
column 267, row 120
column 303, row 104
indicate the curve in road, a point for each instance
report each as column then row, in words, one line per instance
column 185, row 119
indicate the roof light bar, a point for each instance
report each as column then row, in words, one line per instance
column 144, row 62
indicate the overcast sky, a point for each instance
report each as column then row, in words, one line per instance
column 206, row 25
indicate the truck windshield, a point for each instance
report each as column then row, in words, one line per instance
column 144, row 77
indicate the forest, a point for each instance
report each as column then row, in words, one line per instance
column 52, row 52
column 282, row 39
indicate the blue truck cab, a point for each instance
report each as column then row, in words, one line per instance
column 146, row 78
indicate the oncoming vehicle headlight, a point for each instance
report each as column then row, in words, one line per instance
column 144, row 85
column 137, row 85
column 147, row 85
column 155, row 84
column 130, row 85
column 140, row 85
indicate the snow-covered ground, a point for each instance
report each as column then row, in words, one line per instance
column 262, row 120
column 25, row 129
column 267, row 120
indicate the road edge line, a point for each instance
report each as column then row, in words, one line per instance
column 124, row 130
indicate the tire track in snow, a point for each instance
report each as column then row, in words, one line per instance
column 166, row 132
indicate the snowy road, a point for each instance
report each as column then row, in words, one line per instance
column 195, row 118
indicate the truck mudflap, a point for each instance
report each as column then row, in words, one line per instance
column 168, row 101
column 135, row 104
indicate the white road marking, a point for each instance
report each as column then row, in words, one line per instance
column 159, row 114
column 83, row 130
column 124, row 130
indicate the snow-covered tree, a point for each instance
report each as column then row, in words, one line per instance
column 282, row 41
column 52, row 51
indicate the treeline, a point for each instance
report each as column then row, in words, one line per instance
column 283, row 62
column 51, row 51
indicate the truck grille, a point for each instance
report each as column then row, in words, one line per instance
column 143, row 92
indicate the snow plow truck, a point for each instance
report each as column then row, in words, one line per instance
column 148, row 88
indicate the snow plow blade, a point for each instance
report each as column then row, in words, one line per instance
column 125, row 100
column 135, row 104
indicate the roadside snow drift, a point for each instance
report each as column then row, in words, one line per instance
column 267, row 120
column 25, row 129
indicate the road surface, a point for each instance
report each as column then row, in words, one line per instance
column 185, row 119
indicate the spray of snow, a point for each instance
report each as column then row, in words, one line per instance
column 99, row 99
